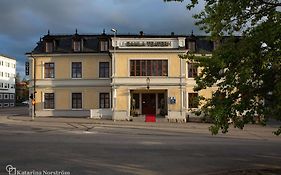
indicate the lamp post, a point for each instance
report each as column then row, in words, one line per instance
column 33, row 113
column 114, row 70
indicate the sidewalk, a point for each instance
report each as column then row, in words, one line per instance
column 66, row 123
column 160, row 123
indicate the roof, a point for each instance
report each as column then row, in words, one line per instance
column 64, row 43
column 7, row 56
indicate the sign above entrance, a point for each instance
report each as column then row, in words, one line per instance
column 146, row 43
column 149, row 43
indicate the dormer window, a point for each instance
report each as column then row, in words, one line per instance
column 192, row 46
column 49, row 47
column 103, row 46
column 76, row 46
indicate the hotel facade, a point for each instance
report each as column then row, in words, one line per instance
column 117, row 77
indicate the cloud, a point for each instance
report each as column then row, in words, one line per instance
column 23, row 22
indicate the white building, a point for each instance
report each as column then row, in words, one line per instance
column 7, row 81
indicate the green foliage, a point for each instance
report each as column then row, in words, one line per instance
column 246, row 69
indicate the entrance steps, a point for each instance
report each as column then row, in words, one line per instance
column 159, row 119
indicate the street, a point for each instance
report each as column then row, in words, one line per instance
column 120, row 150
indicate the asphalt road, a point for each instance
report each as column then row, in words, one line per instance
column 110, row 150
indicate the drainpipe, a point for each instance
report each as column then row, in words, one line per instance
column 181, row 98
column 114, row 72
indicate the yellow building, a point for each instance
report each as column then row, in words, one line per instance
column 115, row 76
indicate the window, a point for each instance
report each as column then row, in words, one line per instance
column 76, row 46
column 12, row 86
column 1, row 85
column 49, row 47
column 1, row 96
column 6, row 105
column 76, row 70
column 149, row 68
column 103, row 46
column 12, row 96
column 76, row 100
column 1, row 105
column 193, row 100
column 192, row 70
column 104, row 100
column 6, row 85
column 49, row 101
column 104, row 69
column 12, row 104
column 49, row 70
column 1, row 74
column 6, row 96
column 191, row 46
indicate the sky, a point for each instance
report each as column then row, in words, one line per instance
column 23, row 22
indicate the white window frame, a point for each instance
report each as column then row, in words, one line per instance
column 103, row 46
column 1, row 105
column 187, row 102
column 71, row 69
column 1, row 96
column 6, row 95
column 49, row 47
column 43, row 72
column 44, row 101
column 147, row 58
column 187, row 70
column 6, row 105
column 12, row 105
column 12, row 96
column 77, row 46
column 82, row 98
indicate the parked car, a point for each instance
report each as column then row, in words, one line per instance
column 25, row 102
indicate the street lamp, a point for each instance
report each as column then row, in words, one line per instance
column 114, row 30
column 114, row 51
column 33, row 113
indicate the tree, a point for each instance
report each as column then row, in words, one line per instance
column 246, row 69
column 17, row 78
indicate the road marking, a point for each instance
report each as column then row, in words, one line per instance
column 151, row 143
column 81, row 132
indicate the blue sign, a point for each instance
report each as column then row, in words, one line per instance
column 172, row 100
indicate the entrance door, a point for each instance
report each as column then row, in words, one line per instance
column 148, row 104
